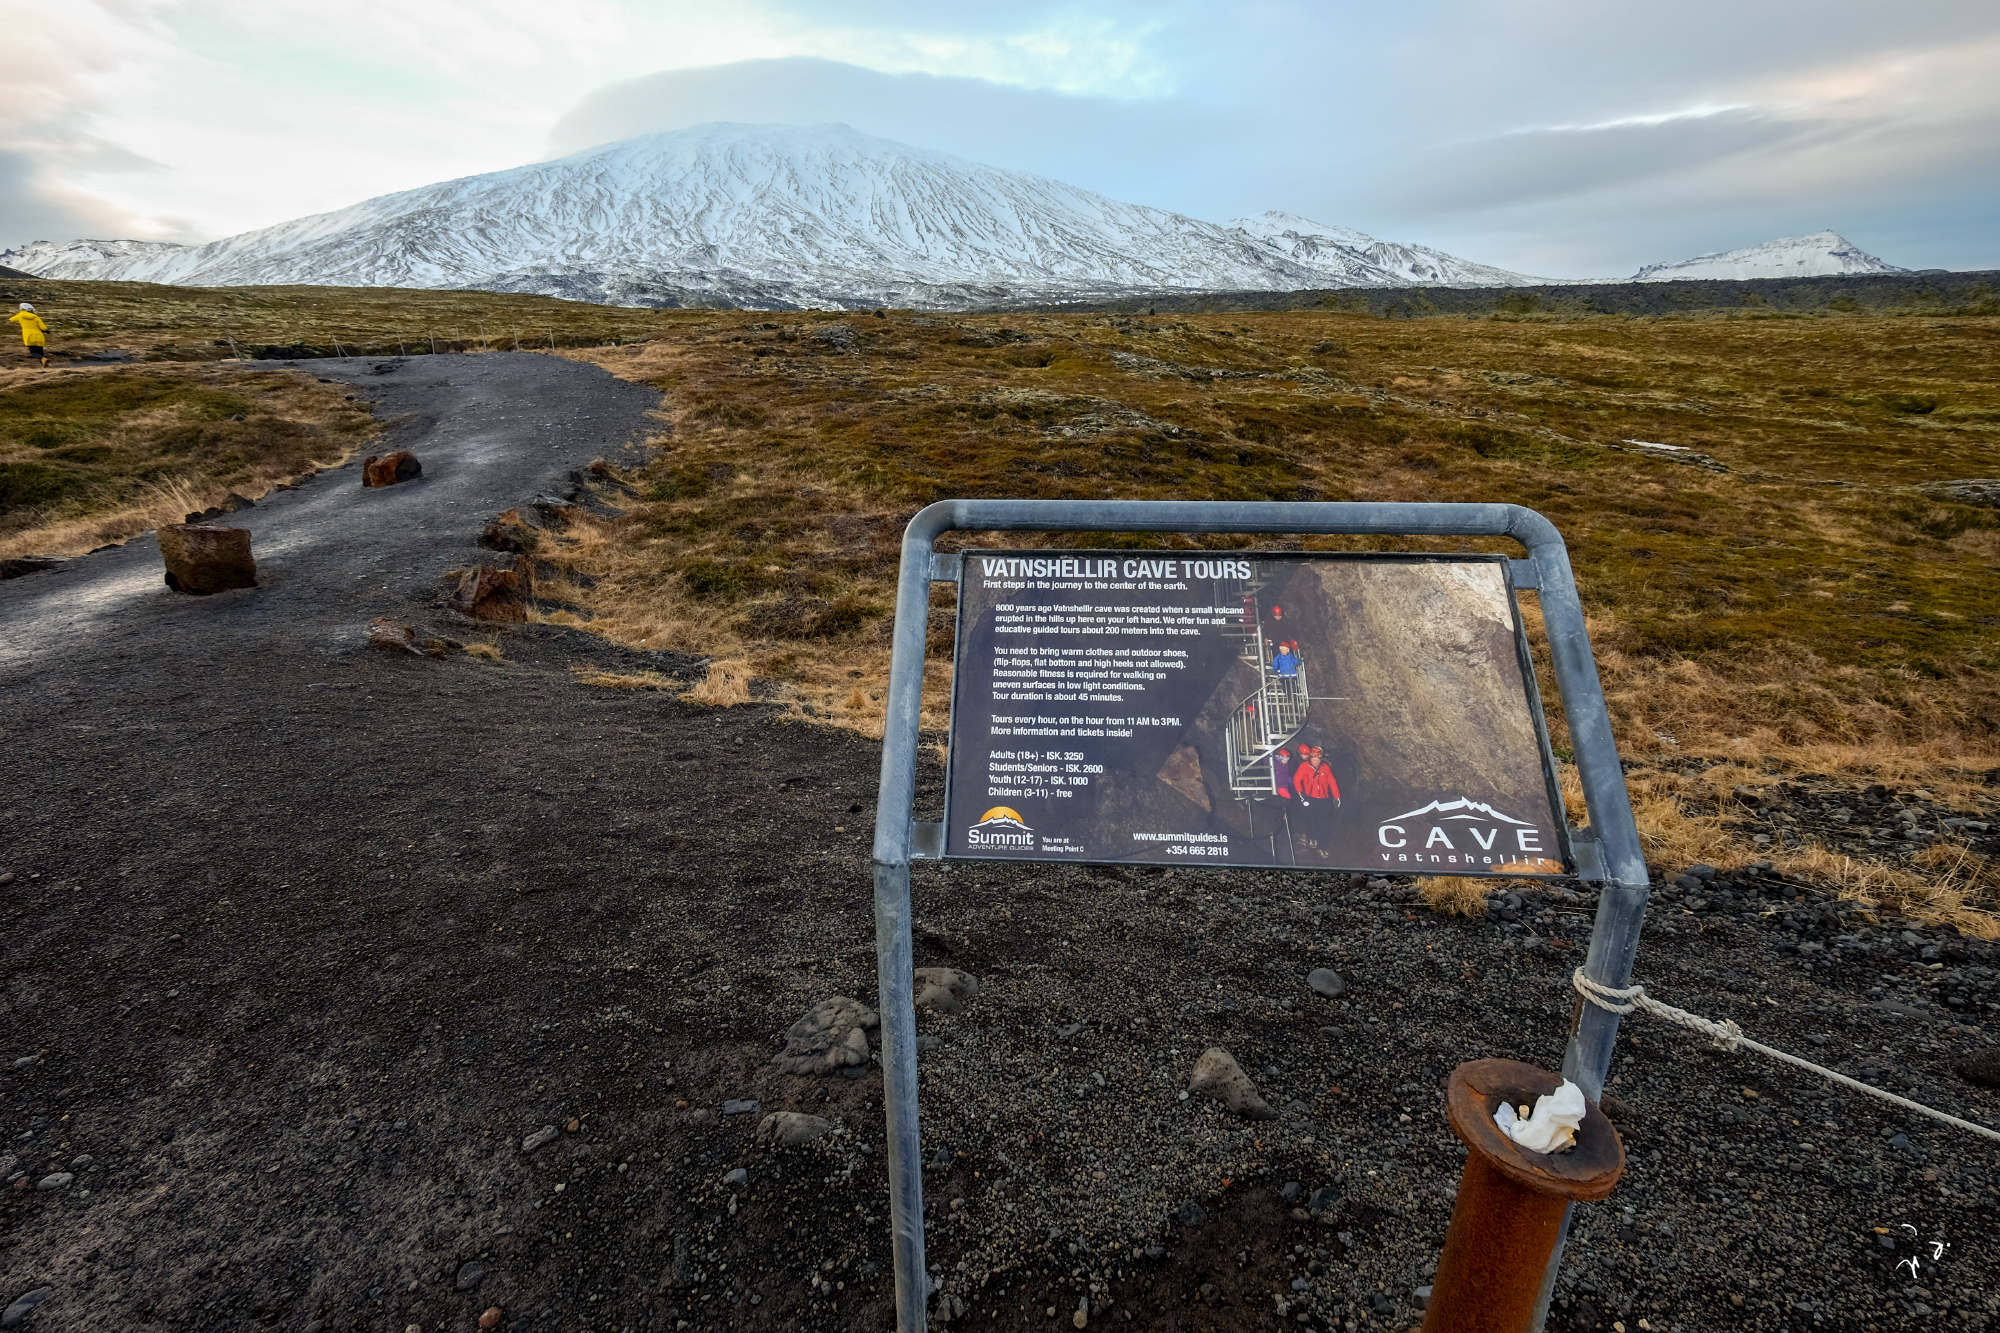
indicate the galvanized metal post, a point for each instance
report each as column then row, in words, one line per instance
column 1607, row 851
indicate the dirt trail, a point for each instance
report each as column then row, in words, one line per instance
column 491, row 431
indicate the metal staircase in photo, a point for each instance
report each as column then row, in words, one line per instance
column 1271, row 715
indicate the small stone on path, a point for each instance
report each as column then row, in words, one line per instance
column 789, row 1129
column 24, row 1307
column 737, row 1177
column 469, row 1275
column 740, row 1106
column 60, row 1180
column 1217, row 1075
column 546, row 1134
column 945, row 989
column 1327, row 982
column 1981, row 1067
column 492, row 1317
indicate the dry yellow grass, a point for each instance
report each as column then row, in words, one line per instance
column 1456, row 895
column 624, row 680
column 726, row 685
column 486, row 652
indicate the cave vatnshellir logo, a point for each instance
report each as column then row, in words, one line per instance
column 1002, row 826
column 1465, row 834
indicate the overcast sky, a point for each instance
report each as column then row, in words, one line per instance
column 1567, row 138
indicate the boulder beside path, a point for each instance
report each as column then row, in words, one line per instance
column 202, row 560
column 388, row 469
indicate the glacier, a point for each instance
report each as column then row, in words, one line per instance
column 772, row 217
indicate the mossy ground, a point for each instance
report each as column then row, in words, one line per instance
column 93, row 456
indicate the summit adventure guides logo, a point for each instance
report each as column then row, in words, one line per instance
column 1002, row 826
column 1466, row 835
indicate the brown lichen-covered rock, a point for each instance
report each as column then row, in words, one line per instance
column 202, row 560
column 945, row 989
column 388, row 469
column 831, row 1037
column 488, row 593
column 510, row 532
column 393, row 636
column 1218, row 1075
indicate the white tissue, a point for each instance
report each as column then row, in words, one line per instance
column 1553, row 1124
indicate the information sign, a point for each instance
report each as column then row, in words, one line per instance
column 1350, row 712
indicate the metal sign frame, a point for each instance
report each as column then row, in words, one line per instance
column 1607, row 852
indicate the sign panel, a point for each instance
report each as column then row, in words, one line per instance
column 1332, row 712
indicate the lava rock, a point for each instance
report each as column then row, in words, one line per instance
column 202, row 560
column 1217, row 1075
column 15, row 566
column 831, row 1037
column 510, row 531
column 24, row 1307
column 470, row 1275
column 546, row 1134
column 388, row 469
column 1327, row 982
column 945, row 989
column 789, row 1129
column 486, row 592
column 1981, row 1067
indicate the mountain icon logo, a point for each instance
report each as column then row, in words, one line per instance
column 1001, row 827
column 1463, row 808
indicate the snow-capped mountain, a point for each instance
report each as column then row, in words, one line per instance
column 1373, row 263
column 62, row 259
column 1823, row 252
column 767, row 216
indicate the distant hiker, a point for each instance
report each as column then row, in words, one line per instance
column 34, row 332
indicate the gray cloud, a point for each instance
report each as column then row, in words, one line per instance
column 36, row 206
column 1126, row 149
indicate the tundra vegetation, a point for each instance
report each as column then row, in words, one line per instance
column 1788, row 592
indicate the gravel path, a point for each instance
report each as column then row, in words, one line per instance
column 305, row 940
column 491, row 431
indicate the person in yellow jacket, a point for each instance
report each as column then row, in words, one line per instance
column 34, row 332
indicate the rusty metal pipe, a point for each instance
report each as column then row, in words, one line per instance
column 1510, row 1206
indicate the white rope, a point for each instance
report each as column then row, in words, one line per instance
column 1729, row 1037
